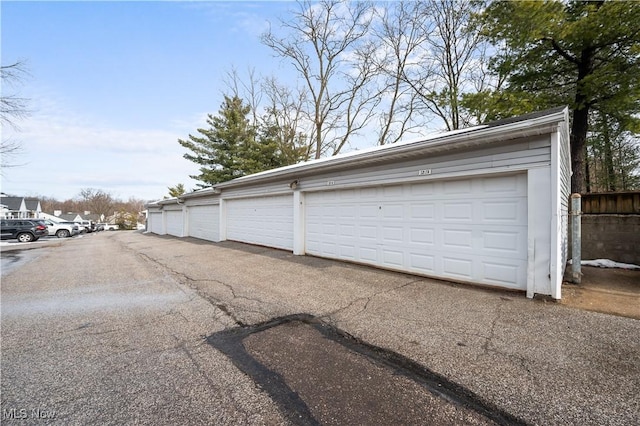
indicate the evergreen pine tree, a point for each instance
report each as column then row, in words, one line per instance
column 231, row 147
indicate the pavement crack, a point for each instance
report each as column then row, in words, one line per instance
column 190, row 282
column 367, row 300
column 492, row 330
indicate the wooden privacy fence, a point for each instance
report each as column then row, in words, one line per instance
column 611, row 203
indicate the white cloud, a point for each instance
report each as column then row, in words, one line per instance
column 243, row 17
column 65, row 151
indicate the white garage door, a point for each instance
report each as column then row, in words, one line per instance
column 174, row 222
column 204, row 222
column 469, row 229
column 155, row 222
column 266, row 221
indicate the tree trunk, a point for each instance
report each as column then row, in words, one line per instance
column 579, row 129
column 587, row 171
column 580, row 124
column 608, row 156
column 318, row 139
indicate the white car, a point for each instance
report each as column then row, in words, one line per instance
column 61, row 229
column 85, row 226
column 106, row 227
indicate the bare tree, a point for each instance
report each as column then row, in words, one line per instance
column 97, row 201
column 363, row 97
column 285, row 119
column 400, row 36
column 277, row 111
column 13, row 108
column 454, row 53
column 248, row 89
column 320, row 44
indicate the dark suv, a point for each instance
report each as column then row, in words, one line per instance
column 24, row 230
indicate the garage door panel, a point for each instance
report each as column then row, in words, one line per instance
column 422, row 211
column 422, row 235
column 346, row 194
column 155, row 220
column 348, row 251
column 457, row 212
column 503, row 211
column 458, row 187
column 393, row 211
column 393, row 258
column 456, row 239
column 506, row 185
column 368, row 232
column 265, row 221
column 329, row 247
column 457, row 267
column 369, row 254
column 369, row 211
column 392, row 191
column 502, row 241
column 367, row 193
column 501, row 273
column 418, row 190
column 468, row 229
column 422, row 263
column 174, row 222
column 349, row 211
column 204, row 222
column 347, row 231
column 393, row 234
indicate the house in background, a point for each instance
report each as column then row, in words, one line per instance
column 70, row 217
column 50, row 217
column 93, row 217
column 19, row 207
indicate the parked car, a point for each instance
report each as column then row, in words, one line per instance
column 24, row 230
column 86, row 226
column 106, row 227
column 62, row 229
column 76, row 224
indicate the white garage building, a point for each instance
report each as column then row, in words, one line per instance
column 485, row 205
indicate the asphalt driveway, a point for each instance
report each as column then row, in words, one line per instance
column 539, row 362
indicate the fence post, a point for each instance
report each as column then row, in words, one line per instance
column 576, row 238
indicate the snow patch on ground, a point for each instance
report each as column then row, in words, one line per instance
column 606, row 263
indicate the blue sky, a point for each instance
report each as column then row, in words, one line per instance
column 113, row 85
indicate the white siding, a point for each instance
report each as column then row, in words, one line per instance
column 204, row 222
column 561, row 181
column 539, row 231
column 471, row 230
column 265, row 221
column 513, row 155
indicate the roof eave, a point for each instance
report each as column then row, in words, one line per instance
column 200, row 193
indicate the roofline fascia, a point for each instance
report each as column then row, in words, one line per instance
column 178, row 200
column 163, row 202
column 201, row 193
